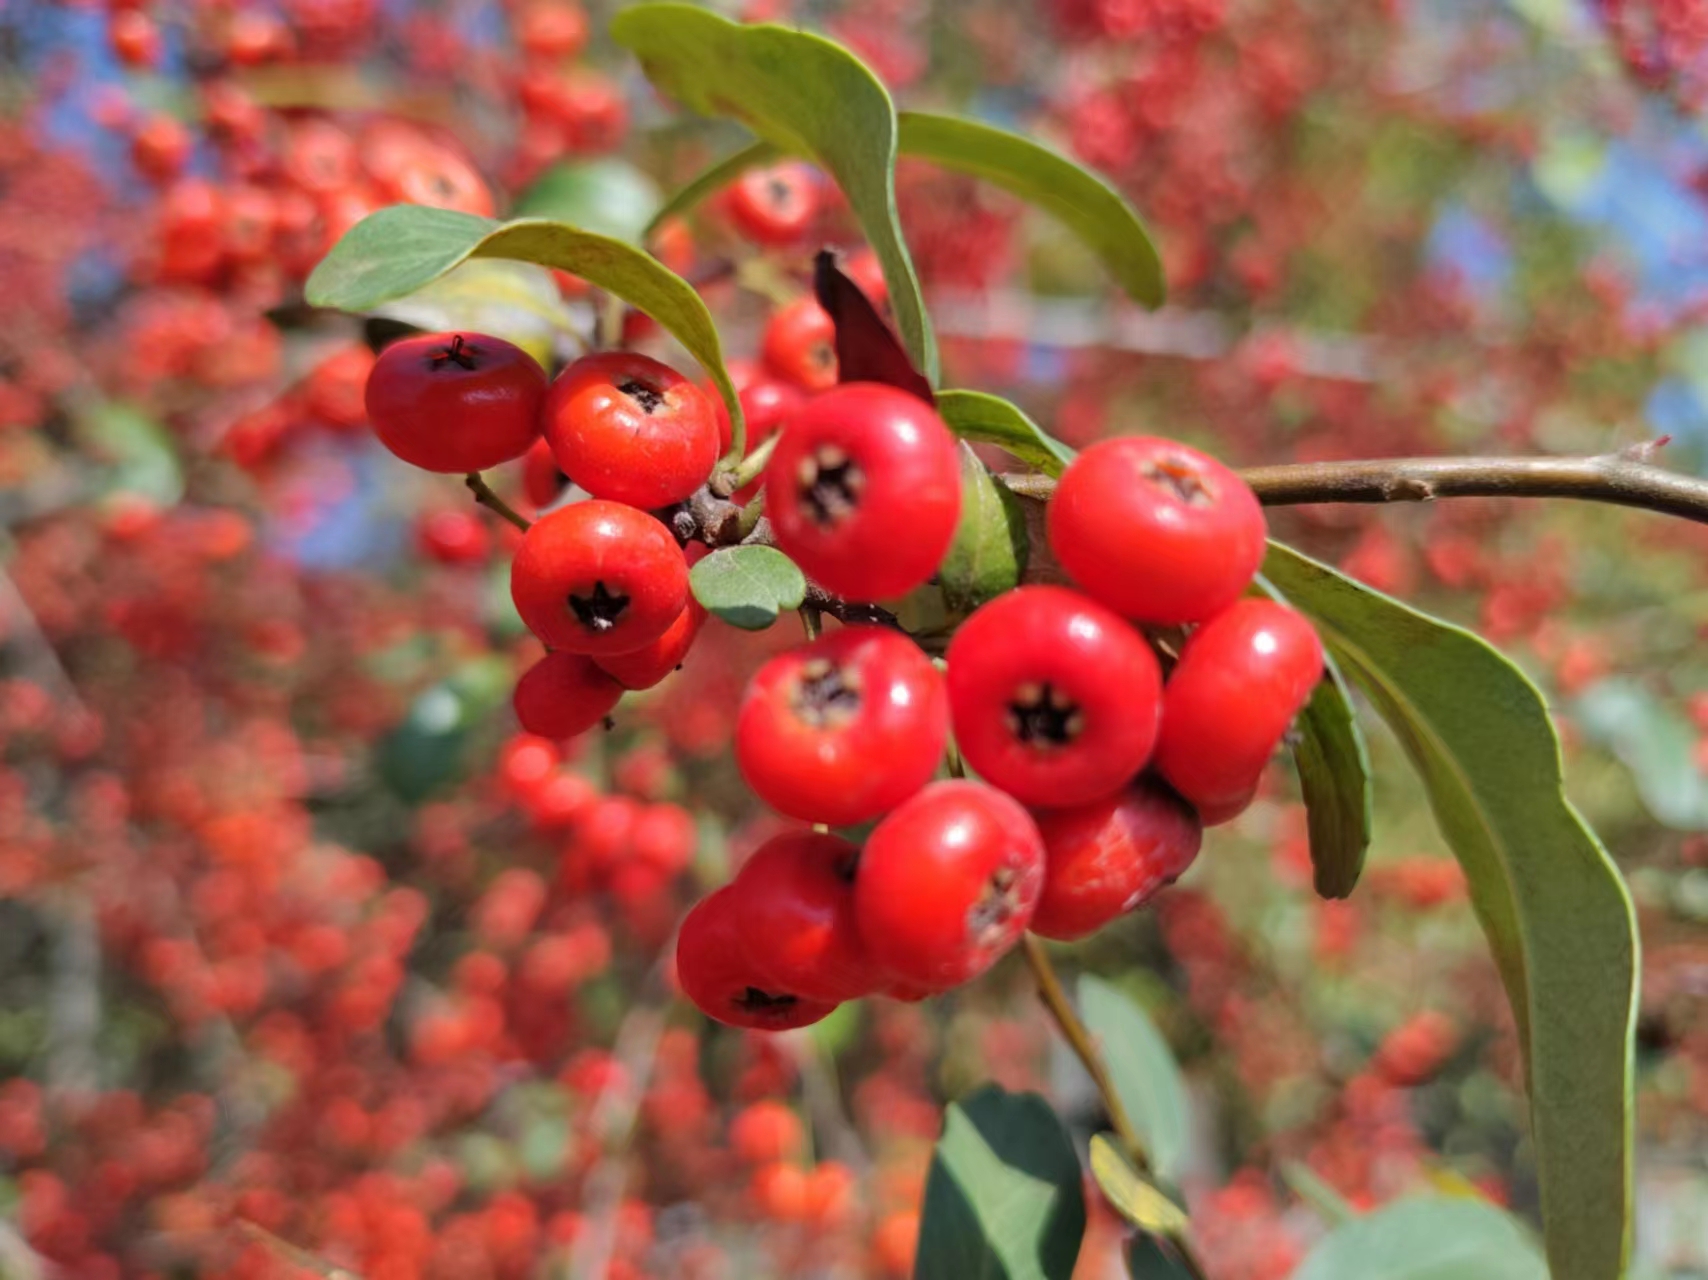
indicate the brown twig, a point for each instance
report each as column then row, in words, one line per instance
column 484, row 495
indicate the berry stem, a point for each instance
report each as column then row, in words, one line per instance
column 484, row 495
column 747, row 470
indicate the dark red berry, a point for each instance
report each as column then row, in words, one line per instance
column 1241, row 679
column 864, row 491
column 713, row 971
column 1156, row 530
column 774, row 205
column 455, row 402
column 563, row 695
column 843, row 729
column 1108, row 857
column 799, row 346
column 796, row 897
column 629, row 429
column 947, row 884
column 1054, row 698
column 598, row 578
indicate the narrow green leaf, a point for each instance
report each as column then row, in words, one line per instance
column 1330, row 1205
column 1550, row 901
column 396, row 251
column 1142, row 1066
column 1653, row 741
column 1427, row 1238
column 989, row 550
column 973, row 415
column 608, row 195
column 808, row 96
column 516, row 301
column 748, row 586
column 1334, row 777
column 1129, row 1194
column 707, row 184
column 1003, row 1200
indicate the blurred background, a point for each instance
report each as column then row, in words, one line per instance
column 311, row 964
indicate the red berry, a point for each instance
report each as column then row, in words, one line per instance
column 563, row 695
column 1156, row 530
column 627, row 428
column 135, row 38
column 774, row 205
column 1241, row 679
column 598, row 578
column 651, row 663
column 1108, row 857
column 455, row 402
column 797, row 909
column 799, row 346
column 542, row 481
column 455, row 537
column 843, row 729
column 947, row 884
column 551, row 30
column 864, row 491
column 765, row 402
column 1054, row 698
column 715, row 974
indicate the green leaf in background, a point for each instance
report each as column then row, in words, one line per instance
column 1129, row 1194
column 989, row 550
column 1143, row 1069
column 399, row 250
column 1149, row 1260
column 973, row 415
column 1003, row 1200
column 515, row 301
column 806, row 95
column 144, row 461
column 748, row 586
column 1334, row 777
column 1653, row 741
column 607, row 196
column 1427, row 1238
column 427, row 749
column 1330, row 1205
column 1550, row 901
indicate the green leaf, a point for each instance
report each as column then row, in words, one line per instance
column 144, row 461
column 1330, row 1205
column 973, row 415
column 1129, row 1193
column 806, row 95
column 1143, row 1069
column 1148, row 1259
column 1334, row 776
column 396, row 251
column 1550, row 901
column 427, row 750
column 1003, row 1200
column 707, row 184
column 515, row 301
column 608, row 196
column 1427, row 1238
column 748, row 586
column 1653, row 741
column 988, row 553
column 1086, row 204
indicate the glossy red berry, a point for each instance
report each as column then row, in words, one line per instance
column 646, row 666
column 1241, row 679
column 864, row 491
column 774, row 205
column 843, row 729
column 713, row 971
column 797, row 908
column 564, row 695
column 799, row 345
column 1103, row 859
column 766, row 402
column 627, row 428
column 947, row 884
column 598, row 578
column 455, row 402
column 1156, row 530
column 542, row 480
column 1054, row 698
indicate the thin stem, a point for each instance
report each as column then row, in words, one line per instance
column 484, row 495
column 811, row 621
column 747, row 470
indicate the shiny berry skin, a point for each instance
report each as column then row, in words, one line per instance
column 799, row 346
column 864, row 491
column 1241, row 679
column 598, row 578
column 775, row 205
column 542, row 480
column 455, row 402
column 651, row 663
column 1054, row 699
column 1156, row 530
column 797, row 912
column 766, row 402
column 947, row 884
column 1103, row 859
column 843, row 729
column 629, row 429
column 564, row 695
column 713, row 971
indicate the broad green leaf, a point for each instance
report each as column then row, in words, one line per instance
column 608, row 196
column 396, row 251
column 1003, row 1200
column 1655, row 742
column 1129, row 1194
column 989, row 550
column 515, row 301
column 1550, row 901
column 1330, row 1205
column 1143, row 1069
column 1148, row 1259
column 748, row 586
column 973, row 415
column 144, row 461
column 806, row 95
column 707, row 184
column 1334, row 777
column 1427, row 1238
